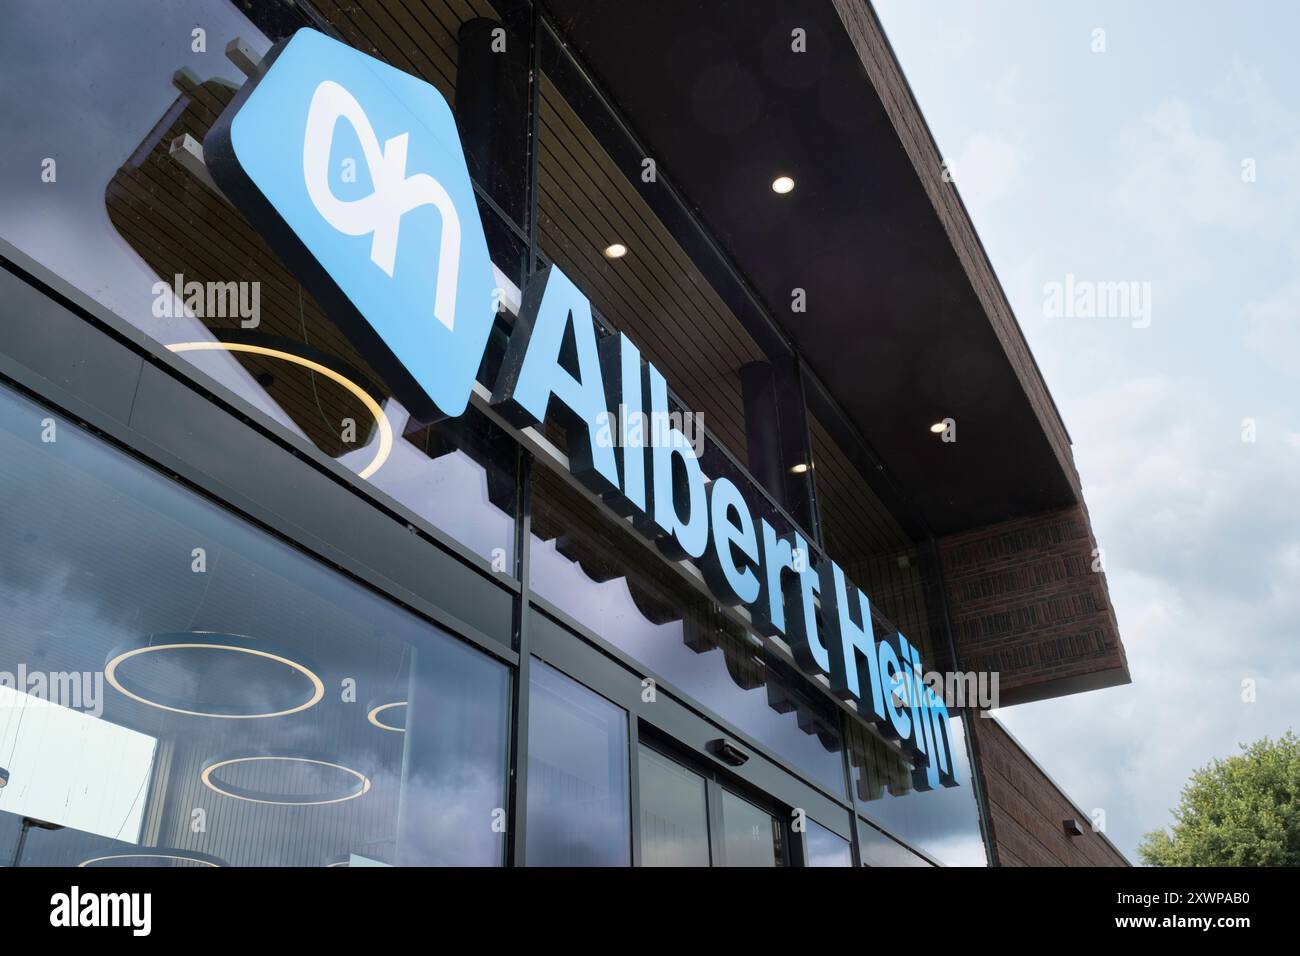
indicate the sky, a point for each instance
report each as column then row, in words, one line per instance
column 1163, row 151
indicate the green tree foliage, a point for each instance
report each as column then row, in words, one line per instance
column 1242, row 811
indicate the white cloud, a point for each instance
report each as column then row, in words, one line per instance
column 1177, row 177
column 1006, row 89
column 1136, row 174
column 1247, row 88
column 1273, row 327
column 1202, row 538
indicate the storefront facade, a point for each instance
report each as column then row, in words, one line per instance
column 275, row 598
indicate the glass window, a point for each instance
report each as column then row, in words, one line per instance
column 181, row 688
column 674, row 813
column 578, row 809
column 750, row 835
column 125, row 223
column 943, row 822
column 877, row 849
column 826, row 848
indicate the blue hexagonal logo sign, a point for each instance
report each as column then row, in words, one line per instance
column 354, row 173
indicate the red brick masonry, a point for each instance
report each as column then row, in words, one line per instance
column 1026, row 810
column 1025, row 602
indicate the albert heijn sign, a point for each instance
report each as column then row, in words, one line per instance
column 393, row 248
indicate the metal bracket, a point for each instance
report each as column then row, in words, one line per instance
column 245, row 58
column 188, row 153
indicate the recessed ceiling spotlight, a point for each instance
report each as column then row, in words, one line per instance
column 782, row 185
column 615, row 250
column 937, row 427
column 799, row 469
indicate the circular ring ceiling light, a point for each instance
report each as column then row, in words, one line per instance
column 117, row 667
column 377, row 712
column 385, row 429
column 153, row 857
column 359, row 783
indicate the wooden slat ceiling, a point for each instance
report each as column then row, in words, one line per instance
column 655, row 293
column 867, row 542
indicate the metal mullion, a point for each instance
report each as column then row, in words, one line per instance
column 519, row 747
column 854, row 832
column 797, row 851
column 856, row 842
column 534, row 123
column 634, row 783
column 713, row 802
column 519, row 712
column 501, row 215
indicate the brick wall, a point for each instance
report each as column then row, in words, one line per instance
column 1026, row 810
column 1024, row 601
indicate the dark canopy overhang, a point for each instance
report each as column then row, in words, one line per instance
column 905, row 324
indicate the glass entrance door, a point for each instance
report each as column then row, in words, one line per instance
column 750, row 835
column 577, row 774
column 688, row 817
column 674, row 812
column 620, row 771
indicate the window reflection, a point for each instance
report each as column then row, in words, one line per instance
column 750, row 835
column 207, row 694
column 132, row 228
column 825, row 847
column 879, row 850
column 674, row 813
column 89, row 772
column 943, row 822
column 578, row 808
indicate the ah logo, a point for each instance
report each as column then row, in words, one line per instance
column 354, row 172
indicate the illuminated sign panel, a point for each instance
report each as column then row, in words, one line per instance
column 397, row 252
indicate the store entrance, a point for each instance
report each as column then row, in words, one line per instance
column 621, row 771
column 689, row 817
